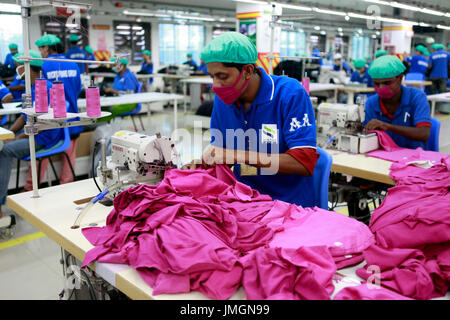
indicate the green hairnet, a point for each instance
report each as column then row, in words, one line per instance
column 359, row 63
column 47, row 40
column 147, row 52
column 387, row 66
column 367, row 58
column 435, row 46
column 122, row 61
column 420, row 48
column 12, row 46
column 230, row 47
column 33, row 54
column 73, row 38
column 380, row 53
column 89, row 49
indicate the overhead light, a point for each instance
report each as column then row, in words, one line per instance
column 250, row 1
column 222, row 19
column 377, row 33
column 316, row 28
column 146, row 14
column 374, row 36
column 408, row 7
column 347, row 18
column 443, row 27
column 194, row 18
column 341, row 34
column 323, row 32
column 338, row 13
column 424, row 24
column 123, row 27
column 292, row 6
column 71, row 25
column 10, row 8
column 339, row 29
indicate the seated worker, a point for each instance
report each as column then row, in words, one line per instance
column 316, row 53
column 19, row 146
column 9, row 62
column 75, row 52
column 191, row 62
column 418, row 63
column 5, row 95
column 380, row 53
column 438, row 64
column 90, row 56
column 341, row 65
column 362, row 76
column 403, row 112
column 202, row 69
column 270, row 118
column 17, row 87
column 147, row 64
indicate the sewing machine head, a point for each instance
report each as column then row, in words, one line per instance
column 327, row 73
column 136, row 158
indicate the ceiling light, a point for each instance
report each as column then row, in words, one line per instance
column 443, row 27
column 339, row 29
column 323, row 32
column 143, row 13
column 409, row 7
column 347, row 18
column 316, row 28
column 194, row 18
column 374, row 36
column 338, row 13
column 292, row 6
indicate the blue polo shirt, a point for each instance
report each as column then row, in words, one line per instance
column 280, row 118
column 69, row 74
column 17, row 82
column 46, row 138
column 127, row 81
column 365, row 79
column 344, row 65
column 78, row 54
column 438, row 61
column 203, row 68
column 9, row 61
column 413, row 111
column 418, row 64
column 4, row 91
column 316, row 53
column 148, row 68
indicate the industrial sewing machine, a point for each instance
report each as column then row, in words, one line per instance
column 340, row 126
column 327, row 73
column 135, row 158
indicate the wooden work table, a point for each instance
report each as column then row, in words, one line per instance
column 6, row 134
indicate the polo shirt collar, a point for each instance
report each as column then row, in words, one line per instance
column 266, row 88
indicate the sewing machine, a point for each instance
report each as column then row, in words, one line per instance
column 340, row 126
column 135, row 159
column 327, row 73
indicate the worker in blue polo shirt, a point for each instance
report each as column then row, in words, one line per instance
column 76, row 53
column 191, row 62
column 9, row 62
column 403, row 112
column 261, row 124
column 316, row 53
column 90, row 56
column 360, row 75
column 68, row 73
column 438, row 64
column 418, row 63
column 341, row 65
column 5, row 95
column 17, row 87
column 147, row 64
column 19, row 146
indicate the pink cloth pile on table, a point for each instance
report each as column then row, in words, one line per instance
column 412, row 225
column 202, row 230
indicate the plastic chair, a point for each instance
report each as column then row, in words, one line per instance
column 59, row 148
column 135, row 111
column 433, row 140
column 320, row 179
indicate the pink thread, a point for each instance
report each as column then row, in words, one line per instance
column 41, row 96
column 93, row 102
column 305, row 84
column 57, row 100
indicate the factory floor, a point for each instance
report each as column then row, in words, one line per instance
column 30, row 266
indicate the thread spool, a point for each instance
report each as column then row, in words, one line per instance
column 305, row 83
column 41, row 96
column 57, row 100
column 93, row 102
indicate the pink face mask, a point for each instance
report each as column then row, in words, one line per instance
column 229, row 94
column 386, row 92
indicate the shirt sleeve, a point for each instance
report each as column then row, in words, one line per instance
column 4, row 91
column 354, row 77
column 421, row 110
column 306, row 156
column 299, row 124
column 369, row 111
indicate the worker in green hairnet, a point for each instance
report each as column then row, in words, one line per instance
column 418, row 63
column 361, row 75
column 403, row 112
column 147, row 64
column 76, row 53
column 438, row 64
column 262, row 125
column 380, row 53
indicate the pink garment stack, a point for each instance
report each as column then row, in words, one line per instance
column 202, row 230
column 93, row 102
column 412, row 225
column 41, row 98
column 57, row 100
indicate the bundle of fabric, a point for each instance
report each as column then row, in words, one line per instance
column 203, row 230
column 412, row 225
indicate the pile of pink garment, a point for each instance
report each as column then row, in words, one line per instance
column 202, row 230
column 412, row 225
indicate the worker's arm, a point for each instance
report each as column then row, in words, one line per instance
column 16, row 88
column 8, row 98
column 421, row 133
column 111, row 90
column 18, row 124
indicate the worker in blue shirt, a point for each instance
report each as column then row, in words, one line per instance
column 403, row 112
column 262, row 125
column 90, row 56
column 75, row 52
column 316, row 53
column 202, row 69
column 438, row 64
column 341, row 65
column 17, row 87
column 19, row 147
column 68, row 73
column 418, row 63
column 191, row 62
column 9, row 62
column 361, row 75
column 5, row 95
column 147, row 64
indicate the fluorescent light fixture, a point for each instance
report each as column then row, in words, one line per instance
column 337, row 13
column 374, row 36
column 145, row 14
column 339, row 29
column 443, row 27
column 433, row 12
column 316, row 28
column 377, row 33
column 250, row 1
column 347, row 17
column 292, row 6
column 123, row 27
column 10, row 8
column 424, row 24
column 71, row 25
column 409, row 7
column 194, row 18
column 341, row 34
column 323, row 32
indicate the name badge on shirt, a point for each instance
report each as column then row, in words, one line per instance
column 247, row 170
column 269, row 133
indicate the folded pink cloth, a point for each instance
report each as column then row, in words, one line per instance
column 364, row 292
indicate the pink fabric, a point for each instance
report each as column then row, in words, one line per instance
column 288, row 274
column 363, row 292
column 203, row 230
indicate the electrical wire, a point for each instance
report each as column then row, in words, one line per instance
column 93, row 163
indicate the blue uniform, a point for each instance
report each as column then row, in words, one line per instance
column 9, row 61
column 192, row 63
column 69, row 74
column 316, row 53
column 438, row 61
column 203, row 68
column 47, row 138
column 366, row 79
column 413, row 111
column 4, row 91
column 78, row 54
column 127, row 81
column 418, row 63
column 344, row 65
column 280, row 118
column 17, row 82
column 148, row 68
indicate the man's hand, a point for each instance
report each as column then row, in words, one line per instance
column 215, row 155
column 375, row 124
column 195, row 164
